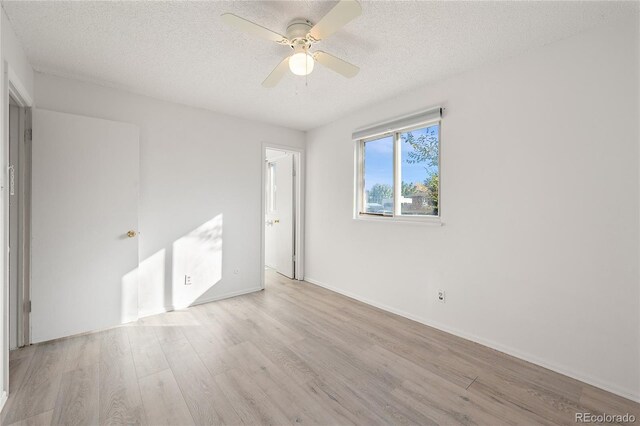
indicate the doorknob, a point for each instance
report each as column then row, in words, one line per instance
column 131, row 234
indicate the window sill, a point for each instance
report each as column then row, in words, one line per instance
column 417, row 220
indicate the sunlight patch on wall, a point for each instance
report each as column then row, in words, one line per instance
column 197, row 262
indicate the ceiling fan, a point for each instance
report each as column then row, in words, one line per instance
column 301, row 35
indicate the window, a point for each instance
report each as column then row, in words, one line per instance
column 271, row 187
column 398, row 173
column 378, row 176
column 419, row 171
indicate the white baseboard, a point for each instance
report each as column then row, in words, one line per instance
column 170, row 308
column 151, row 312
column 564, row 370
column 226, row 296
column 3, row 399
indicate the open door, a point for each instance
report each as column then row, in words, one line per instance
column 84, row 224
column 279, row 214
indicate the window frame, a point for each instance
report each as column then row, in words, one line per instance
column 396, row 215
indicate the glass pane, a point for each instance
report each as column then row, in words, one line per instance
column 378, row 176
column 419, row 171
column 271, row 190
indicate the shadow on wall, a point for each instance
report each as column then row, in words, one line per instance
column 196, row 255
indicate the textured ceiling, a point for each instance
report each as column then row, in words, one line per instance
column 182, row 52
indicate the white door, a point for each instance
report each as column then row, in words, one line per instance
column 279, row 217
column 85, row 200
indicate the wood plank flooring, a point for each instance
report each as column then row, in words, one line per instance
column 294, row 353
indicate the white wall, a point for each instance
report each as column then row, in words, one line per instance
column 15, row 57
column 200, row 174
column 539, row 251
column 21, row 73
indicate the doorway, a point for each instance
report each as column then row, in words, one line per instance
column 18, row 222
column 282, row 211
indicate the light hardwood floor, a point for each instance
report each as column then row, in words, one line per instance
column 295, row 353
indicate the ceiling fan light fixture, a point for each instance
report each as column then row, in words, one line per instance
column 301, row 63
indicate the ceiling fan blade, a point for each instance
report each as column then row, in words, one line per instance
column 252, row 28
column 336, row 64
column 276, row 75
column 340, row 15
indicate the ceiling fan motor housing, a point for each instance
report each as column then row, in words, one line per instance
column 297, row 31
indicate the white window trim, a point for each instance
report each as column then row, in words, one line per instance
column 359, row 201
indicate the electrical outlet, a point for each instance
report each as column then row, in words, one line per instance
column 187, row 280
column 441, row 296
column 236, row 271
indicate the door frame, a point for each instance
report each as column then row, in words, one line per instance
column 24, row 210
column 11, row 86
column 299, row 167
